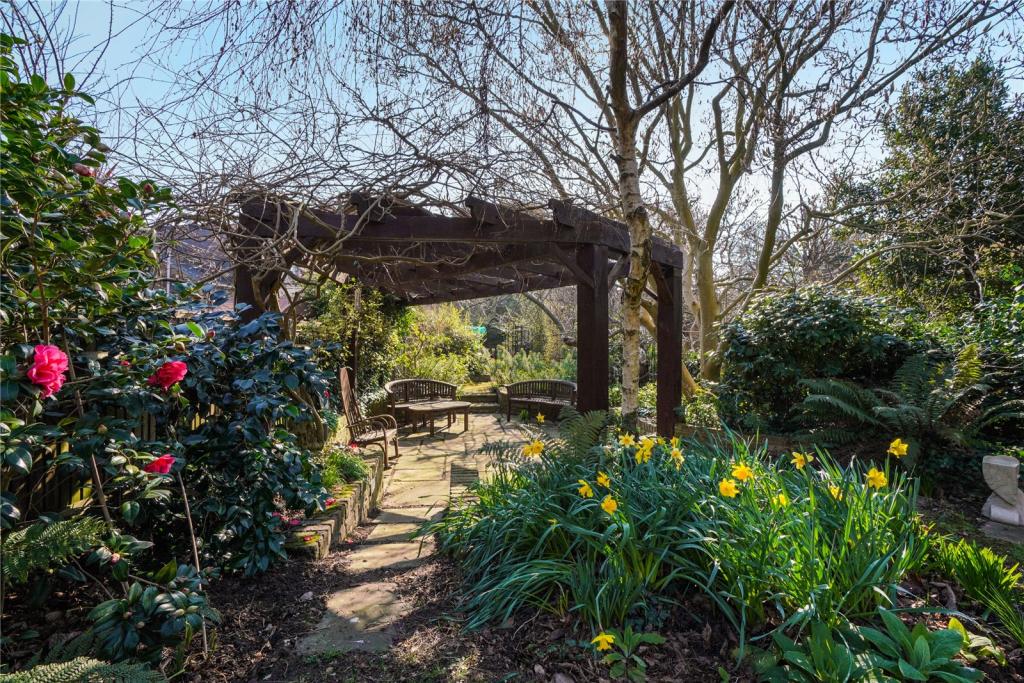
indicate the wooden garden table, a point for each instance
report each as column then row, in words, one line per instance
column 428, row 411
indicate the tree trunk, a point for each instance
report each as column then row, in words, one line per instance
column 634, row 212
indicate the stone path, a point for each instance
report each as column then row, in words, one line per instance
column 417, row 488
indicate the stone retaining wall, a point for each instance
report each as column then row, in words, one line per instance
column 353, row 504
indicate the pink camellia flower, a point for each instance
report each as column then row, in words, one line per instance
column 294, row 521
column 125, row 364
column 84, row 171
column 48, row 367
column 168, row 374
column 115, row 558
column 329, row 502
column 161, row 465
column 327, row 394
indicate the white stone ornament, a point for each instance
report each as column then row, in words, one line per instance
column 1006, row 504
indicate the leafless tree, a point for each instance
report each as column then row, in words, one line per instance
column 521, row 100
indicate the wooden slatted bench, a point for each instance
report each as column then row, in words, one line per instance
column 425, row 399
column 547, row 396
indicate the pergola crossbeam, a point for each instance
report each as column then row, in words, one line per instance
column 425, row 258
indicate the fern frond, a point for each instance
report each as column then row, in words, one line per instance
column 42, row 545
column 912, row 379
column 582, row 432
column 82, row 669
column 968, row 368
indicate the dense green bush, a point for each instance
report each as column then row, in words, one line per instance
column 350, row 310
column 89, row 349
column 507, row 368
column 809, row 333
column 615, row 532
column 441, row 344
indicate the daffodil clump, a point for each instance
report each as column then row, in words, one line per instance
column 613, row 528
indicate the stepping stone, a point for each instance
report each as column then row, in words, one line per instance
column 397, row 555
column 1003, row 532
column 394, row 533
column 416, row 493
column 357, row 618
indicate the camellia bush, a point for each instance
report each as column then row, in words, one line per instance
column 146, row 437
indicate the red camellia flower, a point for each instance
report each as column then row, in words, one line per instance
column 48, row 367
column 168, row 374
column 161, row 465
column 84, row 171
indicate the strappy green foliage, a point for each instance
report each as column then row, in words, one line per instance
column 46, row 545
column 985, row 577
column 537, row 535
column 928, row 400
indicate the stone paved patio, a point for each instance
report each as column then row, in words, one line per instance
column 417, row 488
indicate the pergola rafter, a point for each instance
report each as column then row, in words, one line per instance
column 424, row 258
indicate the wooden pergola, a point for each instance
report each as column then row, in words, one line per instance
column 425, row 258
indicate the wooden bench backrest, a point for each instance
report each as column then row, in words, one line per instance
column 418, row 390
column 349, row 401
column 554, row 389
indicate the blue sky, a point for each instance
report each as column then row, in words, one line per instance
column 136, row 66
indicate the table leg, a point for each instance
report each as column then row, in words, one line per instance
column 431, row 424
column 465, row 415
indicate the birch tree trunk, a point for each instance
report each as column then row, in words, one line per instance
column 634, row 212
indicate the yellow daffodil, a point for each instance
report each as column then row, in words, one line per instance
column 834, row 490
column 647, row 442
column 585, row 489
column 677, row 457
column 540, row 418
column 609, row 505
column 603, row 480
column 643, row 454
column 603, row 641
column 554, row 522
column 800, row 460
column 627, row 440
column 781, row 500
column 534, row 448
column 876, row 479
column 742, row 472
column 727, row 487
column 661, row 441
column 898, row 448
column 674, row 441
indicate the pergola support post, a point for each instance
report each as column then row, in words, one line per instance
column 592, row 329
column 670, row 347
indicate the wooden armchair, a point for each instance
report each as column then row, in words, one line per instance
column 376, row 430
